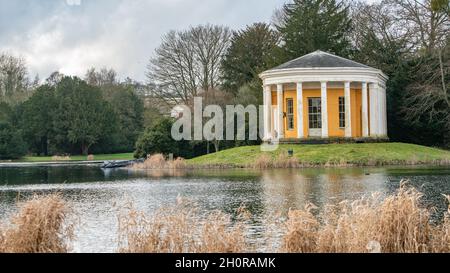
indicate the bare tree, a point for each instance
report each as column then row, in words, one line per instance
column 54, row 78
column 14, row 82
column 379, row 22
column 188, row 62
column 427, row 98
column 219, row 98
column 104, row 77
column 414, row 23
column 409, row 40
column 430, row 25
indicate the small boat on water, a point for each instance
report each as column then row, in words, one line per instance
column 119, row 164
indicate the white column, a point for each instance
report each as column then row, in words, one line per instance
column 300, row 110
column 383, row 111
column 385, row 118
column 324, row 110
column 280, row 128
column 365, row 110
column 348, row 111
column 267, row 112
column 380, row 110
column 374, row 110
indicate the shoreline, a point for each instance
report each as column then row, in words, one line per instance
column 285, row 157
column 318, row 166
column 49, row 164
column 220, row 167
column 305, row 167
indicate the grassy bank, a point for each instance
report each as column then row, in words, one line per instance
column 106, row 157
column 373, row 154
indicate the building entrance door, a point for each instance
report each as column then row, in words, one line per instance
column 315, row 117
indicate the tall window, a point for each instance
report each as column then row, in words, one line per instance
column 315, row 113
column 342, row 112
column 290, row 114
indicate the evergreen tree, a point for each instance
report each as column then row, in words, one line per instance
column 129, row 109
column 310, row 25
column 157, row 139
column 82, row 116
column 37, row 119
column 252, row 51
column 12, row 145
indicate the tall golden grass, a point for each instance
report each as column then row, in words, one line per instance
column 396, row 223
column 180, row 229
column 41, row 225
column 282, row 161
column 61, row 158
column 159, row 162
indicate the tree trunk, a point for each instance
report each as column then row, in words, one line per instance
column 85, row 149
column 44, row 142
column 444, row 85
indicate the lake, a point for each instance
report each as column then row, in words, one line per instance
column 96, row 195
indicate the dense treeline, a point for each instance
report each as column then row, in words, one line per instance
column 69, row 116
column 407, row 39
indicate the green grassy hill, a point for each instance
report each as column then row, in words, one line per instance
column 373, row 154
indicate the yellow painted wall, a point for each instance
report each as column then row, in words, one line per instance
column 333, row 113
column 356, row 106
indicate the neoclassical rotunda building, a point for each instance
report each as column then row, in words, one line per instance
column 321, row 95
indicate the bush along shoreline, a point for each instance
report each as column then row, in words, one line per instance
column 396, row 223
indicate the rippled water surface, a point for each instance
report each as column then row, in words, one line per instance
column 97, row 195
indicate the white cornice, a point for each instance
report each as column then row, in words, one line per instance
column 293, row 75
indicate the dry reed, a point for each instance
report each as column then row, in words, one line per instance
column 264, row 161
column 41, row 225
column 283, row 161
column 395, row 224
column 159, row 162
column 180, row 229
column 61, row 158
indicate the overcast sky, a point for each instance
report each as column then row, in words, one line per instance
column 71, row 36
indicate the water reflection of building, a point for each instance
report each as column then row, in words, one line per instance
column 287, row 189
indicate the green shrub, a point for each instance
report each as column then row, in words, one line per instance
column 157, row 140
column 12, row 145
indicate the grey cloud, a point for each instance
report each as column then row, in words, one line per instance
column 121, row 34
